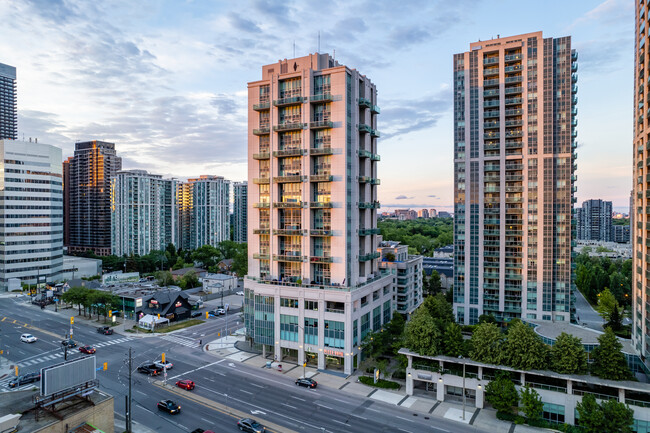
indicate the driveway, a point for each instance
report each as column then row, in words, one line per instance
column 587, row 315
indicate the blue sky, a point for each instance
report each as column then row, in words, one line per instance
column 166, row 80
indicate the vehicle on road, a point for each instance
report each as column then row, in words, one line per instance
column 305, row 381
column 217, row 312
column 185, row 384
column 161, row 365
column 196, row 313
column 70, row 343
column 200, row 430
column 150, row 369
column 240, row 293
column 87, row 350
column 25, row 379
column 106, row 330
column 250, row 425
column 28, row 338
column 169, row 406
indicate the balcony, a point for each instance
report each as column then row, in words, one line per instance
column 294, row 100
column 261, row 205
column 368, row 232
column 512, row 58
column 513, row 101
column 375, row 157
column 516, row 79
column 289, row 179
column 491, row 103
column 322, row 177
column 262, row 106
column 490, row 72
column 491, row 125
column 261, row 180
column 289, row 232
column 369, row 205
column 321, row 124
column 289, row 126
column 375, row 109
column 363, row 179
column 320, row 205
column 264, row 155
column 491, row 92
column 375, row 181
column 490, row 167
column 287, row 204
column 321, row 259
column 322, row 97
column 261, row 231
column 515, row 112
column 364, row 153
column 492, row 82
column 363, row 102
column 511, row 134
column 364, row 128
column 260, row 256
column 375, row 134
column 490, row 60
column 491, row 114
column 262, row 131
column 491, row 135
column 514, row 166
column 321, row 232
column 512, row 123
column 321, row 151
column 511, row 69
column 368, row 257
column 288, row 152
column 513, row 90
column 574, row 67
column 289, row 257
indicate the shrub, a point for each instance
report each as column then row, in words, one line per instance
column 381, row 383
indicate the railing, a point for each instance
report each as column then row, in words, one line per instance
column 321, row 232
column 264, row 155
column 320, row 205
column 289, row 179
column 334, row 310
column 261, row 231
column 321, row 151
column 595, row 394
column 288, row 152
column 289, row 232
column 321, row 259
column 364, row 128
column 323, row 97
column 369, row 205
column 378, row 275
column 369, row 256
column 375, row 133
column 375, row 157
column 261, row 180
column 262, row 205
column 261, row 131
column 364, row 153
column 262, row 106
column 375, row 109
column 639, row 403
column 320, row 124
column 321, row 177
column 260, row 256
column 363, row 102
column 289, row 258
column 289, row 126
column 289, row 101
column 288, row 205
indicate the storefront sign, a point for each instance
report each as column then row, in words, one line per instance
column 178, row 304
column 425, row 376
column 138, row 302
column 333, row 353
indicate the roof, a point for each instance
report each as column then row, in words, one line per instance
column 227, row 262
column 552, row 330
column 183, row 271
column 218, row 277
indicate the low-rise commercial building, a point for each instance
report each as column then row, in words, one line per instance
column 79, row 267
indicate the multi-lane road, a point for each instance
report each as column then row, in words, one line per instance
column 225, row 390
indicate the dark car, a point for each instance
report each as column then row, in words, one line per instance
column 200, row 430
column 304, row 381
column 25, row 379
column 106, row 330
column 87, row 350
column 169, row 406
column 250, row 425
column 197, row 314
column 69, row 342
column 150, row 369
column 185, row 384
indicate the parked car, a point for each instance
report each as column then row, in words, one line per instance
column 305, row 381
column 25, row 379
column 221, row 311
column 28, row 338
column 150, row 369
column 240, row 293
column 169, row 406
column 106, row 330
column 162, row 365
column 250, row 425
column 69, row 342
column 196, row 314
column 87, row 350
column 185, row 384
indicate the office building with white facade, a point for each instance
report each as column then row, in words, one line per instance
column 143, row 213
column 514, row 182
column 31, row 221
column 314, row 288
column 240, row 212
column 407, row 273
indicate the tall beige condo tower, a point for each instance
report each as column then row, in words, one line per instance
column 514, row 163
column 314, row 288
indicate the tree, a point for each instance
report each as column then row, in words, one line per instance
column 190, row 280
column 440, row 310
column 179, row 264
column 486, row 344
column 610, row 416
column 590, row 414
column 432, row 284
column 487, row 318
column 615, row 319
column 394, row 333
column 75, row 295
column 568, row 355
column 501, row 393
column 531, row 403
column 606, row 304
column 453, row 341
column 421, row 335
column 523, row 348
column 164, row 278
column 207, row 255
column 609, row 360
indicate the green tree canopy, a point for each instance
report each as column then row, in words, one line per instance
column 610, row 416
column 164, row 278
column 523, row 348
column 568, row 355
column 190, row 280
column 440, row 310
column 486, row 344
column 207, row 255
column 531, row 403
column 421, row 335
column 609, row 360
column 452, row 341
column 606, row 304
column 501, row 393
column 75, row 295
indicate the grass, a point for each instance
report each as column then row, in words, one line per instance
column 381, row 383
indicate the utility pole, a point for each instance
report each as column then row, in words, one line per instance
column 128, row 406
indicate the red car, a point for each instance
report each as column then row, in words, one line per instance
column 87, row 349
column 185, row 384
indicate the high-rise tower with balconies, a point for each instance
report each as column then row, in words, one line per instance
column 314, row 289
column 8, row 104
column 514, row 163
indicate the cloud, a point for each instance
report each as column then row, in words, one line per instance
column 434, row 196
column 407, row 115
column 607, row 13
column 403, row 197
column 243, row 24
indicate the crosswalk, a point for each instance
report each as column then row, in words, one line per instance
column 178, row 339
column 58, row 355
column 4, row 385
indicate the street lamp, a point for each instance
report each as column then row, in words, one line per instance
column 461, row 357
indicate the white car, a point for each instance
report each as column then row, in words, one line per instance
column 240, row 293
column 28, row 338
column 221, row 311
column 160, row 364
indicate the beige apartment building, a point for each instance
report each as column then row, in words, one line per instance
column 314, row 289
column 514, row 164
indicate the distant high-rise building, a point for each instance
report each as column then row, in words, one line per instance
column 594, row 221
column 314, row 289
column 88, row 196
column 240, row 212
column 423, row 213
column 8, row 103
column 209, row 211
column 408, row 270
column 185, row 203
column 406, row 214
column 144, row 213
column 433, row 213
column 66, row 201
column 620, row 234
column 32, row 231
column 444, row 214
column 514, row 137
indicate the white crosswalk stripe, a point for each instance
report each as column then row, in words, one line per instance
column 189, row 342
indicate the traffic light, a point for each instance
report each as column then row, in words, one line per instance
column 72, row 320
column 206, row 314
column 16, row 370
column 163, row 357
column 105, row 366
column 304, row 365
column 110, row 313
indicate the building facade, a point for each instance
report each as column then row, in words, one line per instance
column 8, row 103
column 31, row 228
column 209, row 214
column 240, row 212
column 314, row 289
column 407, row 272
column 594, row 221
column 514, row 163
column 88, row 196
column 143, row 213
column 423, row 213
column 621, row 234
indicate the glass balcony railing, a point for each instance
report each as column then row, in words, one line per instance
column 288, row 152
column 289, row 232
column 490, row 60
column 289, row 257
column 322, row 97
column 261, row 180
column 491, row 114
column 369, row 205
column 364, row 153
column 287, row 204
column 321, row 232
column 261, row 231
column 375, row 133
column 264, row 130
column 512, row 58
column 517, row 79
column 364, row 128
column 375, row 109
column 289, row 179
column 289, row 126
column 260, row 256
column 321, row 176
column 262, row 205
column 262, row 106
column 320, row 205
column 294, row 100
column 513, row 101
column 375, row 157
column 491, row 125
column 321, row 151
column 321, row 259
column 363, row 102
column 321, row 124
column 263, row 155
column 368, row 257
column 510, row 69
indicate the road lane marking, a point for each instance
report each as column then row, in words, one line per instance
column 401, row 429
column 3, row 319
column 405, row 419
column 298, row 398
column 323, row 406
column 341, row 422
column 254, row 384
column 359, row 416
column 288, row 405
column 246, row 392
column 196, row 369
column 206, row 420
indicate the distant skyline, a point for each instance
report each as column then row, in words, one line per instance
column 166, row 80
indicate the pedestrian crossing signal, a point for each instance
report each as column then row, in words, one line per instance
column 105, row 366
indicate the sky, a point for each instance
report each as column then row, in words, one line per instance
column 167, row 80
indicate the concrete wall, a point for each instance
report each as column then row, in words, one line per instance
column 100, row 415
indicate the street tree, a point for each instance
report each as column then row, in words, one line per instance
column 207, row 255
column 189, row 280
column 609, row 360
column 606, row 304
column 568, row 355
column 615, row 319
column 452, row 341
column 75, row 295
column 523, row 348
column 440, row 310
column 531, row 403
column 421, row 335
column 610, row 416
column 590, row 414
column 501, row 393
column 486, row 344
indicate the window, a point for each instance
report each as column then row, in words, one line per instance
column 334, row 334
column 376, row 319
column 365, row 325
column 288, row 302
column 355, row 333
column 311, row 331
column 311, row 305
column 288, row 327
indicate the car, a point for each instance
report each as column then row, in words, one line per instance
column 25, row 379
column 87, row 350
column 185, row 384
column 305, row 381
column 196, row 314
column 70, row 343
column 106, row 330
column 240, row 293
column 169, row 406
column 162, row 365
column 250, row 425
column 28, row 338
column 150, row 369
column 221, row 311
column 200, row 430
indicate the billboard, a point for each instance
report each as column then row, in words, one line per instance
column 67, row 374
column 120, row 277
